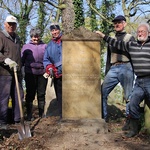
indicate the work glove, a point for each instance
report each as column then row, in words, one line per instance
column 10, row 62
column 54, row 70
column 48, row 68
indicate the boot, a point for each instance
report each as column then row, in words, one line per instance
column 127, row 125
column 134, row 128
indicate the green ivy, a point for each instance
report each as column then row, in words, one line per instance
column 79, row 14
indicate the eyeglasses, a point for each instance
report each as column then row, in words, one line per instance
column 142, row 31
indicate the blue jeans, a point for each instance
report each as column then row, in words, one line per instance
column 140, row 92
column 7, row 90
column 122, row 74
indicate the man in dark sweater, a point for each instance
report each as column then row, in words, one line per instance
column 10, row 57
column 140, row 56
column 118, row 67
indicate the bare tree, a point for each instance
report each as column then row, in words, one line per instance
column 21, row 10
column 66, row 9
column 132, row 9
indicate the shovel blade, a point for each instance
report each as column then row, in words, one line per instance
column 23, row 131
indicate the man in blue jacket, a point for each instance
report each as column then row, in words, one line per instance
column 53, row 61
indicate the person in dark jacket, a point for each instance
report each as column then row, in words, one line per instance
column 140, row 55
column 32, row 60
column 118, row 67
column 53, row 61
column 10, row 57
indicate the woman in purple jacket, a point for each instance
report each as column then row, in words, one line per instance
column 32, row 60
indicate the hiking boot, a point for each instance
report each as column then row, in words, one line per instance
column 127, row 125
column 134, row 128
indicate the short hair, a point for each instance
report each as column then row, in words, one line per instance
column 35, row 31
column 144, row 24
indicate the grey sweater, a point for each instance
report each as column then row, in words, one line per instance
column 140, row 54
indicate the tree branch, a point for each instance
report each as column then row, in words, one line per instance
column 59, row 6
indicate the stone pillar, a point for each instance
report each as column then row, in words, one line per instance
column 81, row 75
column 146, row 116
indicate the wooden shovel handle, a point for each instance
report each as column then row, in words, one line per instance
column 18, row 93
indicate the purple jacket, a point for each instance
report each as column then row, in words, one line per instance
column 32, row 58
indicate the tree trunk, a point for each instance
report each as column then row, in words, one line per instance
column 68, row 16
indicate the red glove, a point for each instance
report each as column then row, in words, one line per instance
column 48, row 68
column 55, row 70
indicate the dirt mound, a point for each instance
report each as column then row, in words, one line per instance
column 53, row 134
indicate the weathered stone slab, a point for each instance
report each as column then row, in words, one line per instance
column 81, row 77
column 147, row 118
column 96, row 126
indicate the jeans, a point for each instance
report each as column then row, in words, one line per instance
column 122, row 74
column 7, row 90
column 140, row 92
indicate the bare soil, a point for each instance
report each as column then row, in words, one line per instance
column 51, row 133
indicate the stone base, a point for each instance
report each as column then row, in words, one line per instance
column 85, row 125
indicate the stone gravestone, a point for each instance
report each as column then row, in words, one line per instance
column 146, row 116
column 81, row 75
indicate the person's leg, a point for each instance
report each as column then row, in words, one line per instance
column 41, row 91
column 126, row 78
column 14, row 96
column 137, row 97
column 58, row 90
column 30, row 93
column 110, row 81
column 5, row 87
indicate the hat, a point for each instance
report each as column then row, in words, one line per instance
column 119, row 18
column 11, row 19
column 54, row 26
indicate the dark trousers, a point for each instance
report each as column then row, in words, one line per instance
column 35, row 84
column 58, row 91
column 7, row 90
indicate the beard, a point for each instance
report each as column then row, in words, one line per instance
column 142, row 39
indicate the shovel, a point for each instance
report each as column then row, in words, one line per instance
column 23, row 130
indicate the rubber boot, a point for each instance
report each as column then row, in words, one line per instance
column 29, row 111
column 134, row 128
column 127, row 125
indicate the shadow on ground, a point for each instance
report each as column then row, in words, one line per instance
column 52, row 109
column 114, row 113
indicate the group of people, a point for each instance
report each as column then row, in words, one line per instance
column 32, row 61
column 125, row 57
column 128, row 56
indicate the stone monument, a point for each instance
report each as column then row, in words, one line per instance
column 81, row 75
